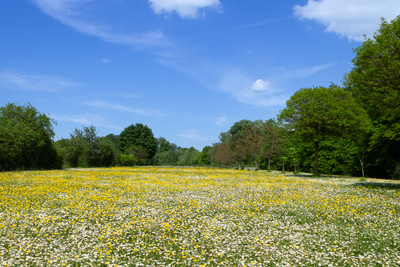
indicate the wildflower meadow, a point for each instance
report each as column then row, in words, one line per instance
column 147, row 216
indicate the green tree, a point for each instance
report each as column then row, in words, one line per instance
column 339, row 156
column 204, row 156
column 138, row 140
column 92, row 144
column 252, row 142
column 272, row 141
column 187, row 156
column 125, row 160
column 108, row 151
column 221, row 153
column 164, row 145
column 241, row 144
column 26, row 139
column 244, row 140
column 166, row 157
column 375, row 83
column 319, row 112
column 293, row 156
column 141, row 154
column 167, row 153
column 237, row 131
column 86, row 149
column 75, row 150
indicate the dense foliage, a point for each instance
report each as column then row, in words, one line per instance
column 375, row 83
column 138, row 140
column 317, row 113
column 26, row 139
column 86, row 149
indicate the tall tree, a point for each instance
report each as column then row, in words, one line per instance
column 74, row 149
column 164, row 145
column 92, row 143
column 108, row 151
column 26, row 139
column 253, row 139
column 244, row 140
column 237, row 131
column 138, row 139
column 221, row 153
column 187, row 156
column 375, row 83
column 272, row 141
column 204, row 156
column 319, row 112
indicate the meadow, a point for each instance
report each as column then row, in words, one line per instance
column 148, row 216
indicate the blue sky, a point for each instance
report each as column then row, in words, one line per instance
column 188, row 69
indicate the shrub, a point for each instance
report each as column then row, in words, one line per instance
column 126, row 160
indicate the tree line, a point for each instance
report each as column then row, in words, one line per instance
column 350, row 130
column 135, row 145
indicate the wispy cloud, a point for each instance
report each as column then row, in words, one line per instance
column 86, row 119
column 139, row 111
column 192, row 134
column 220, row 121
column 349, row 18
column 106, row 60
column 127, row 96
column 307, row 71
column 69, row 13
column 263, row 92
column 264, row 22
column 20, row 81
column 184, row 8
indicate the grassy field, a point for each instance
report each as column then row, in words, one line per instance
column 195, row 217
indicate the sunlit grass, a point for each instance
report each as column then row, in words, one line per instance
column 195, row 217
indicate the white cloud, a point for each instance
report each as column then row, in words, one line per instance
column 127, row 96
column 349, row 18
column 192, row 134
column 184, row 8
column 307, row 71
column 106, row 60
column 263, row 92
column 264, row 22
column 69, row 13
column 239, row 86
column 19, row 81
column 86, row 119
column 220, row 121
column 260, row 86
column 139, row 111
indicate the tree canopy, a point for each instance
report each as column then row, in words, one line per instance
column 375, row 83
column 317, row 113
column 26, row 139
column 138, row 140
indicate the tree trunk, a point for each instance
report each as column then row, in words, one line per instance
column 362, row 168
column 316, row 158
column 255, row 160
column 294, row 164
column 362, row 162
column 269, row 165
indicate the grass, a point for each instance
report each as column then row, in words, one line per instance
column 195, row 217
